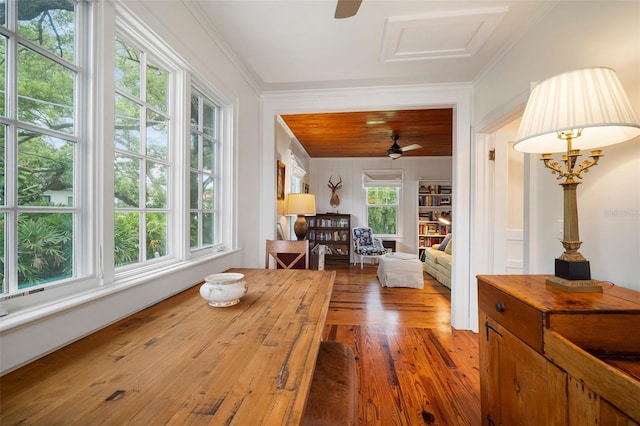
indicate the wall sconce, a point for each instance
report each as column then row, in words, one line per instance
column 583, row 109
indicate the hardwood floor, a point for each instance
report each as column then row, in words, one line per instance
column 413, row 367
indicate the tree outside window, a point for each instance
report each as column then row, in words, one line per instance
column 382, row 192
column 50, row 234
column 382, row 210
column 204, row 172
column 40, row 142
column 142, row 158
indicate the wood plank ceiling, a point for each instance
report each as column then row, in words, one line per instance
column 370, row 133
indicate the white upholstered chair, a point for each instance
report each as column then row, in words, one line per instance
column 365, row 244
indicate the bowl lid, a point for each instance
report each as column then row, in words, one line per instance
column 224, row 278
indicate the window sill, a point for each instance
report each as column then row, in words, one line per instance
column 36, row 307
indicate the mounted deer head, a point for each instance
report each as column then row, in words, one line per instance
column 335, row 200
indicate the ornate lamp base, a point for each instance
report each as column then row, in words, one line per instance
column 573, row 270
column 574, row 277
column 574, row 286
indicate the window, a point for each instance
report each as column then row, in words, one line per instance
column 142, row 157
column 204, row 189
column 382, row 193
column 41, row 142
column 53, row 208
column 382, row 210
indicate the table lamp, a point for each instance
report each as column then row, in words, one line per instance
column 445, row 218
column 301, row 205
column 583, row 109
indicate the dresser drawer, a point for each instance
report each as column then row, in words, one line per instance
column 521, row 319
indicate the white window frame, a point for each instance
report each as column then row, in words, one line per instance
column 97, row 275
column 392, row 178
column 217, row 174
column 181, row 81
column 83, row 264
column 152, row 48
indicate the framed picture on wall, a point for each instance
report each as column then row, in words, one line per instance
column 280, row 181
column 305, row 188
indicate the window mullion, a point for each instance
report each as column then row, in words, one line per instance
column 84, row 234
column 11, row 215
column 11, row 161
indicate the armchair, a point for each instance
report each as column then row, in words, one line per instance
column 365, row 244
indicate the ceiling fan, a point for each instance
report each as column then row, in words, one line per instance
column 347, row 8
column 396, row 152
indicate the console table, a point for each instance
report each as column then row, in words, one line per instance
column 182, row 361
column 548, row 357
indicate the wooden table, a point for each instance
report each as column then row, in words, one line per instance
column 557, row 358
column 184, row 362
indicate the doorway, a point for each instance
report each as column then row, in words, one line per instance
column 507, row 190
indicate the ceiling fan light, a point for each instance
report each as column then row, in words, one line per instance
column 395, row 151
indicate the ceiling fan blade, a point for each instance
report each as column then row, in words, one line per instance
column 411, row 147
column 347, row 8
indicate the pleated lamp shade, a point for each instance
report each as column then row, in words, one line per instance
column 589, row 100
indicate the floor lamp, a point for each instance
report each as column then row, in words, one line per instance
column 583, row 109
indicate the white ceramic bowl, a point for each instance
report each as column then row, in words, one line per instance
column 223, row 289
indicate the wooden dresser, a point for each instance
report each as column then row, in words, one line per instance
column 548, row 357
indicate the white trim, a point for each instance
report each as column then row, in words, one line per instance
column 104, row 116
column 463, row 307
column 531, row 264
column 202, row 18
column 391, row 178
column 482, row 201
column 298, row 171
column 27, row 336
column 514, row 40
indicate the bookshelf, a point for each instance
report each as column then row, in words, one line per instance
column 334, row 232
column 434, row 202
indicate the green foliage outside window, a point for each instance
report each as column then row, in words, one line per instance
column 204, row 173
column 142, row 164
column 41, row 134
column 382, row 210
column 41, row 222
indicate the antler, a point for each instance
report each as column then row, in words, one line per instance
column 336, row 186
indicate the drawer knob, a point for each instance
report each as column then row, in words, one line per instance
column 500, row 307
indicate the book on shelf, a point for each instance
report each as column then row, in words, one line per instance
column 434, row 189
column 426, row 215
column 433, row 216
column 434, row 200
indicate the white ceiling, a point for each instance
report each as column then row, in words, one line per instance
column 298, row 44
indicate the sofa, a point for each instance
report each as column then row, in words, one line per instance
column 437, row 263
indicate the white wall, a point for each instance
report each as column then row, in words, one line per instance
column 286, row 145
column 352, row 197
column 576, row 35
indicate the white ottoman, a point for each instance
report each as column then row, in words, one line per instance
column 400, row 270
